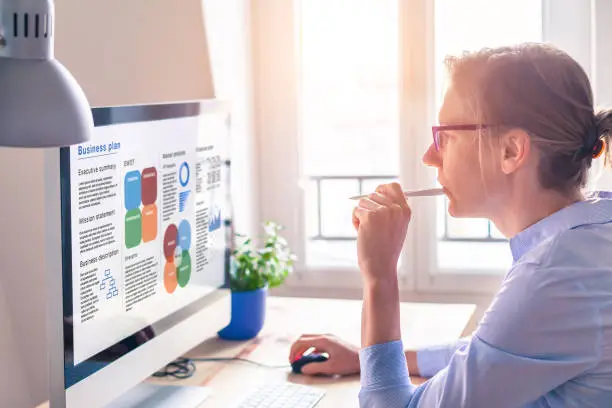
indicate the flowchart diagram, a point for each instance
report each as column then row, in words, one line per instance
column 109, row 284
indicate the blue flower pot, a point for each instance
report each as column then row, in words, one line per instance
column 248, row 315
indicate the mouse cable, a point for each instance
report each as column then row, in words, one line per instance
column 184, row 367
column 239, row 359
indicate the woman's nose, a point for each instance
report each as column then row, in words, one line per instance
column 432, row 157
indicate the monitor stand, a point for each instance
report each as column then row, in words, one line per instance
column 146, row 395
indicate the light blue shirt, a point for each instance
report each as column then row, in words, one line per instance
column 545, row 341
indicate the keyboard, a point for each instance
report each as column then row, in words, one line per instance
column 283, row 395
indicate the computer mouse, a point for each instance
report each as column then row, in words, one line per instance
column 307, row 359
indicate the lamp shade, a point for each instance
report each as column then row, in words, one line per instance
column 41, row 104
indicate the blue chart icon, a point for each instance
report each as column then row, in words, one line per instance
column 183, row 196
column 109, row 281
column 184, row 174
column 215, row 220
column 184, row 180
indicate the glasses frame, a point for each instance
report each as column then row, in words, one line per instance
column 435, row 131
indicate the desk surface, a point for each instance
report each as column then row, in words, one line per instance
column 422, row 324
column 287, row 318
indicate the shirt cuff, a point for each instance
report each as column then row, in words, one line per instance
column 383, row 366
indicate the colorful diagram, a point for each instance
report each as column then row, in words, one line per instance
column 109, row 281
column 177, row 242
column 140, row 223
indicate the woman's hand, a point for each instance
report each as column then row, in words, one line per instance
column 343, row 357
column 381, row 221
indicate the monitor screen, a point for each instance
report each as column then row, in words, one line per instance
column 144, row 228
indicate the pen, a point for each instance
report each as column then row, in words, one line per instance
column 415, row 193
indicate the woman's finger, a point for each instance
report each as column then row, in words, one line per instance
column 394, row 192
column 368, row 204
column 299, row 347
column 314, row 368
column 355, row 219
column 359, row 215
column 381, row 199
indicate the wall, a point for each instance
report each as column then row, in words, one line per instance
column 229, row 25
column 602, row 78
column 137, row 51
column 12, row 374
column 23, row 373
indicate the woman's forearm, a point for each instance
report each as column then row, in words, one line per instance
column 411, row 361
column 381, row 313
column 380, row 321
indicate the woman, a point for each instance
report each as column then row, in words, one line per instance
column 517, row 136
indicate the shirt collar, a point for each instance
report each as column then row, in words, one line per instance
column 595, row 209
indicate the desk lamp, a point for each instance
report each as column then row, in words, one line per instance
column 41, row 104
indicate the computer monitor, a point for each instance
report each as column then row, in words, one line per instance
column 145, row 235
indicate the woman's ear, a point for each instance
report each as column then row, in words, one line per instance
column 515, row 150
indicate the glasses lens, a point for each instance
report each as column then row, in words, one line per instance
column 436, row 139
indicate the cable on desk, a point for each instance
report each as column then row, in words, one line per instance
column 244, row 360
column 181, row 368
column 184, row 367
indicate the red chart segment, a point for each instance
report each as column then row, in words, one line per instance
column 170, row 237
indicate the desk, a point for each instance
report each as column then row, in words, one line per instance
column 287, row 318
column 422, row 324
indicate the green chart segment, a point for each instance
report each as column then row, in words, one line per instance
column 184, row 270
column 133, row 228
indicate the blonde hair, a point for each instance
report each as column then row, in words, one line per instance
column 542, row 90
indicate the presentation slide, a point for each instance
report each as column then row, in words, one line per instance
column 147, row 233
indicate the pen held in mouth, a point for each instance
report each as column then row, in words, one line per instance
column 415, row 193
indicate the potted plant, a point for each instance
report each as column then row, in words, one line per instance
column 252, row 272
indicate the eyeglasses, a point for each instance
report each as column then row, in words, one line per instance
column 437, row 130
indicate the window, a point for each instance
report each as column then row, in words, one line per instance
column 349, row 59
column 350, row 106
column 348, row 103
